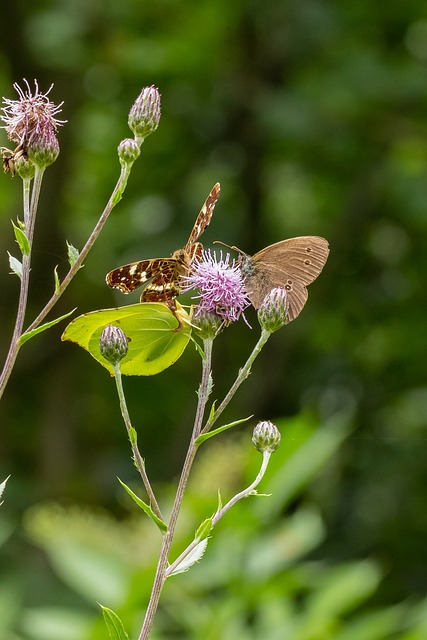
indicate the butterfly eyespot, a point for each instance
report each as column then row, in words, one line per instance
column 288, row 287
column 308, row 249
column 307, row 262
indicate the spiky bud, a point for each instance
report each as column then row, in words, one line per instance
column 128, row 150
column 273, row 313
column 207, row 324
column 43, row 147
column 144, row 115
column 113, row 344
column 266, row 437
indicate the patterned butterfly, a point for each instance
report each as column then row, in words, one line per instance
column 161, row 276
column 290, row 264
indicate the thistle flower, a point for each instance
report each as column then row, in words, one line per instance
column 113, row 344
column 221, row 287
column 31, row 123
column 273, row 312
column 266, row 437
column 144, row 116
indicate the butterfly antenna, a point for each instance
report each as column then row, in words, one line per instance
column 229, row 247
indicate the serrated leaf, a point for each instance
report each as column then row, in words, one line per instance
column 156, row 337
column 47, row 325
column 3, row 487
column 145, row 507
column 194, row 556
column 72, row 252
column 15, row 265
column 211, row 434
column 21, row 239
column 114, row 625
column 57, row 283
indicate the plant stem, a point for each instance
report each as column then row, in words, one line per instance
column 219, row 514
column 14, row 344
column 242, row 375
column 30, row 211
column 138, row 460
column 160, row 576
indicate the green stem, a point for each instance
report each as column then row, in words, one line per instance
column 138, row 460
column 242, row 375
column 219, row 514
column 114, row 199
column 160, row 576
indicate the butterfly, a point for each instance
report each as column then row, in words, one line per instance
column 161, row 276
column 290, row 264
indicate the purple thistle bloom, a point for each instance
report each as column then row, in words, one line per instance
column 31, row 117
column 221, row 287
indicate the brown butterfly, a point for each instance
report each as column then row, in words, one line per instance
column 290, row 264
column 161, row 276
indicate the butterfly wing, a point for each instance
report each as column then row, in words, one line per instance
column 291, row 265
column 204, row 217
column 135, row 274
column 161, row 276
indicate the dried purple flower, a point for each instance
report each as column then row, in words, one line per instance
column 31, row 123
column 221, row 287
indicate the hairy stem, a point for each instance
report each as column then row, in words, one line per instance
column 30, row 211
column 160, row 576
column 241, row 377
column 138, row 460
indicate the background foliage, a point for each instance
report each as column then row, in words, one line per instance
column 312, row 115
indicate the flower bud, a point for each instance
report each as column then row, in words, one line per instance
column 273, row 313
column 43, row 147
column 144, row 115
column 113, row 344
column 266, row 437
column 128, row 150
column 207, row 324
column 24, row 167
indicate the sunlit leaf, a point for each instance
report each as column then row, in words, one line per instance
column 15, row 265
column 156, row 337
column 195, row 555
column 2, row 487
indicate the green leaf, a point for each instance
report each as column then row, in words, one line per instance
column 114, row 625
column 47, row 325
column 204, row 530
column 156, row 337
column 21, row 239
column 210, row 434
column 57, row 283
column 145, row 507
column 15, row 265
column 73, row 253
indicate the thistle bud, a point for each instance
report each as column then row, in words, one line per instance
column 144, row 115
column 207, row 324
column 43, row 147
column 128, row 150
column 113, row 344
column 266, row 437
column 273, row 313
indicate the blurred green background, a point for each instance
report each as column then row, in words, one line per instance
column 312, row 116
